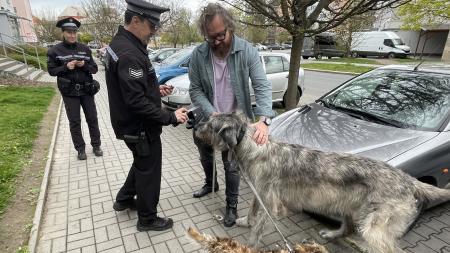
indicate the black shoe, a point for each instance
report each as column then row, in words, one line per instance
column 204, row 190
column 158, row 224
column 230, row 215
column 124, row 205
column 98, row 151
column 82, row 155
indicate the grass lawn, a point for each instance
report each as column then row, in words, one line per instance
column 22, row 109
column 351, row 60
column 336, row 67
column 31, row 60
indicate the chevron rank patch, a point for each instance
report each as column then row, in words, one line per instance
column 136, row 73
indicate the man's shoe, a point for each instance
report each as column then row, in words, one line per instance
column 158, row 224
column 98, row 151
column 82, row 155
column 204, row 190
column 124, row 205
column 230, row 215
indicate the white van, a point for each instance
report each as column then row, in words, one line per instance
column 378, row 43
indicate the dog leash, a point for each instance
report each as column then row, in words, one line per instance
column 258, row 198
column 216, row 217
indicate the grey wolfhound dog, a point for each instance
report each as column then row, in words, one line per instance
column 374, row 198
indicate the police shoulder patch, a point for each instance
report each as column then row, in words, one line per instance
column 136, row 73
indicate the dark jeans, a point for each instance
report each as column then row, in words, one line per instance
column 232, row 176
column 144, row 180
column 72, row 105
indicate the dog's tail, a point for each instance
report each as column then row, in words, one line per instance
column 430, row 195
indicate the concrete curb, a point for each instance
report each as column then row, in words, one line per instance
column 331, row 71
column 34, row 233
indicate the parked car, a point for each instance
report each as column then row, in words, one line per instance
column 387, row 44
column 286, row 46
column 94, row 44
column 276, row 66
column 321, row 45
column 174, row 65
column 274, row 47
column 260, row 46
column 395, row 114
column 161, row 54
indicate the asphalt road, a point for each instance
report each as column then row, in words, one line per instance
column 319, row 83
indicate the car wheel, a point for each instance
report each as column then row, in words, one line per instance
column 299, row 94
column 319, row 56
column 305, row 57
column 354, row 54
column 329, row 57
column 391, row 55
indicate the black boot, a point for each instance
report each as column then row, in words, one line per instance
column 230, row 215
column 97, row 151
column 82, row 154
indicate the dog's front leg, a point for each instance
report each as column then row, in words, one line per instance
column 257, row 230
column 250, row 219
column 346, row 228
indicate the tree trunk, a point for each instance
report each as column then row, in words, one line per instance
column 296, row 53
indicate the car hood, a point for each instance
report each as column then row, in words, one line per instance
column 403, row 47
column 181, row 81
column 320, row 128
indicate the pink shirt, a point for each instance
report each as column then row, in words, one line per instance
column 224, row 98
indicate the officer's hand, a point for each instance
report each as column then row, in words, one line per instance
column 80, row 63
column 165, row 90
column 71, row 64
column 181, row 115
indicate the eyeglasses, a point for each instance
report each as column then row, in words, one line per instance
column 152, row 26
column 219, row 37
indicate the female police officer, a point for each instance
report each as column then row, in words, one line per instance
column 72, row 63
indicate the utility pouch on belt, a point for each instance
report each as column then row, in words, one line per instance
column 142, row 145
column 64, row 85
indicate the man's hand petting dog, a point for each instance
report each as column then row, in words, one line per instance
column 261, row 135
column 165, row 90
column 181, row 115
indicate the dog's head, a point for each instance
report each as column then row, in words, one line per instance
column 223, row 130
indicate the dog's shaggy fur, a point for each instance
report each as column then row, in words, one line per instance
column 226, row 245
column 381, row 202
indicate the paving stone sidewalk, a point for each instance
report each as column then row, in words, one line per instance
column 78, row 214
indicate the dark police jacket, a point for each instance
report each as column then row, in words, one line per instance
column 71, row 82
column 133, row 90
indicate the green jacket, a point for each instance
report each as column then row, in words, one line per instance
column 243, row 62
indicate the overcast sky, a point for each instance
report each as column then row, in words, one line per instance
column 58, row 6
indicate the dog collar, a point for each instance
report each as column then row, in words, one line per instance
column 241, row 135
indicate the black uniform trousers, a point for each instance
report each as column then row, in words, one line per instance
column 72, row 105
column 144, row 180
column 232, row 176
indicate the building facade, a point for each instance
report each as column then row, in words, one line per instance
column 22, row 8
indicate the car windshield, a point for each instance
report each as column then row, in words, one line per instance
column 406, row 99
column 182, row 54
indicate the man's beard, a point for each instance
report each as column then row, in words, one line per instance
column 146, row 40
column 221, row 49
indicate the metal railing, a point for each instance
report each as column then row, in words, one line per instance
column 7, row 47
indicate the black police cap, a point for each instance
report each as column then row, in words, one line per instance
column 146, row 9
column 69, row 23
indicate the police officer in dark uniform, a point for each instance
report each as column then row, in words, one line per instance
column 136, row 113
column 72, row 63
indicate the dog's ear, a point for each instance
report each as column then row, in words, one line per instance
column 229, row 135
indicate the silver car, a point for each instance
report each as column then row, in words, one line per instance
column 395, row 114
column 276, row 66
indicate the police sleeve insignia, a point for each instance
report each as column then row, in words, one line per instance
column 136, row 73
